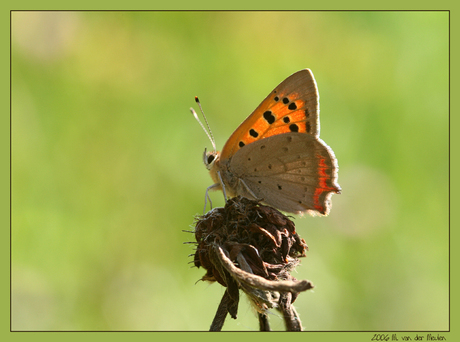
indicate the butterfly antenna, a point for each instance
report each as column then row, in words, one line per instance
column 208, row 131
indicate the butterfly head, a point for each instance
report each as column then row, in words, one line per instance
column 210, row 158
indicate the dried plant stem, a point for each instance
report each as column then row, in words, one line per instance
column 247, row 282
column 224, row 307
column 259, row 282
column 291, row 318
column 264, row 324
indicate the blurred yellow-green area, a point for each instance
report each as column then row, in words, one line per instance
column 107, row 168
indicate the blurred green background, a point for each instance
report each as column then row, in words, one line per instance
column 107, row 163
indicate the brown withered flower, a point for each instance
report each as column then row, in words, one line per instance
column 253, row 247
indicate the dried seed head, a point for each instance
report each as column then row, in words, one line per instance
column 252, row 247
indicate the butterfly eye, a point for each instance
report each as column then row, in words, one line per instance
column 210, row 158
column 207, row 158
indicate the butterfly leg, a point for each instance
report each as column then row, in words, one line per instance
column 223, row 186
column 249, row 190
column 217, row 185
column 206, row 197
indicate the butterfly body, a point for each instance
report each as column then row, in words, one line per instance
column 276, row 154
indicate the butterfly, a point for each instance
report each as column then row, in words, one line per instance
column 276, row 154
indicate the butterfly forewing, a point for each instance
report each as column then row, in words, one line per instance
column 293, row 106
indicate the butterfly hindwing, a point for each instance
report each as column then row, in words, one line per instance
column 299, row 174
column 293, row 106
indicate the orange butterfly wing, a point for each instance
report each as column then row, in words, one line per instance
column 292, row 106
